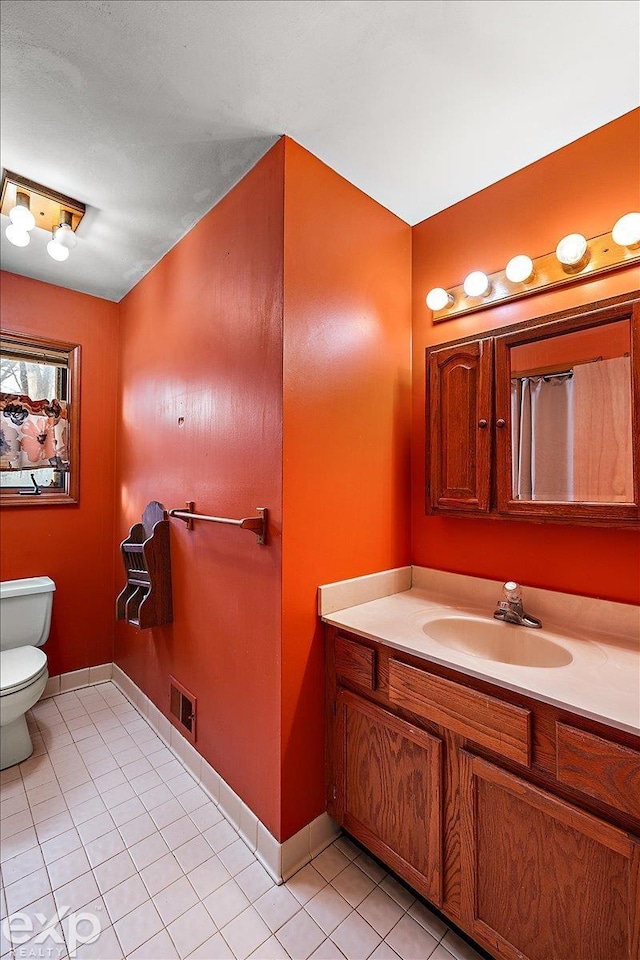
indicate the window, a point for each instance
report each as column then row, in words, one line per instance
column 39, row 421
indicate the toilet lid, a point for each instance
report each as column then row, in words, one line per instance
column 20, row 667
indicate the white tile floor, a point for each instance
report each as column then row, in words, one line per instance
column 104, row 820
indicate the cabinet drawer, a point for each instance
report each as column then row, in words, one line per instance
column 355, row 662
column 487, row 721
column 599, row 767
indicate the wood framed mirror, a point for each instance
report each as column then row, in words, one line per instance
column 567, row 403
column 539, row 420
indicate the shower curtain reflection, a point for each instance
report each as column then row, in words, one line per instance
column 542, row 437
column 571, row 434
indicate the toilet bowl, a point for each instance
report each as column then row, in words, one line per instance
column 25, row 618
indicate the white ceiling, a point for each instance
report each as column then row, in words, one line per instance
column 150, row 110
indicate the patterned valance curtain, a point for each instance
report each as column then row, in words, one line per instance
column 34, row 434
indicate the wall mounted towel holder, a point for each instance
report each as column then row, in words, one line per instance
column 257, row 525
column 146, row 599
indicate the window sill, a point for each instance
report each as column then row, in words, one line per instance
column 54, row 498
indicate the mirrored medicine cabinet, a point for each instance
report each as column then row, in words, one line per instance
column 539, row 420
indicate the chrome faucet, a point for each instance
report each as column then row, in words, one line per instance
column 510, row 608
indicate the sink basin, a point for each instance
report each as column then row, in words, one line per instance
column 494, row 640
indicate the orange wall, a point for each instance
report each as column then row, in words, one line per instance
column 203, row 337
column 584, row 187
column 278, row 330
column 202, row 340
column 71, row 544
column 346, row 432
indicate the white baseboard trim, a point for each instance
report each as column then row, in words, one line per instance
column 280, row 860
column 64, row 682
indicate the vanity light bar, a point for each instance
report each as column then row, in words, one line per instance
column 574, row 258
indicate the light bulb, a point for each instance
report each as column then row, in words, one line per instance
column 571, row 249
column 21, row 215
column 626, row 230
column 519, row 269
column 476, row 284
column 56, row 252
column 65, row 236
column 17, row 236
column 438, row 299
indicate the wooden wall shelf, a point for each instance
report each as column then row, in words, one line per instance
column 146, row 599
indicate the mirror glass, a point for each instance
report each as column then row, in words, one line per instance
column 571, row 425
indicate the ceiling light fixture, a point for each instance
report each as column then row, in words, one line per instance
column 29, row 205
column 575, row 258
column 519, row 269
column 626, row 231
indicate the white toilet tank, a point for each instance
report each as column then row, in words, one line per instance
column 25, row 612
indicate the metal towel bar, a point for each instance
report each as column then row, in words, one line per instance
column 257, row 525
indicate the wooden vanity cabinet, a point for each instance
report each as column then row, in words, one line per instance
column 519, row 820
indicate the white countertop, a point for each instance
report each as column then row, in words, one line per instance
column 601, row 681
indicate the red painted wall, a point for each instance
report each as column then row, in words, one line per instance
column 71, row 544
column 202, row 340
column 203, row 337
column 346, row 432
column 584, row 187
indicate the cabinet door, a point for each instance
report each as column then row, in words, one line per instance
column 389, row 790
column 542, row 879
column 459, row 392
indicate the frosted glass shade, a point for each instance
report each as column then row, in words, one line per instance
column 476, row 284
column 626, row 230
column 22, row 218
column 57, row 252
column 17, row 236
column 571, row 249
column 65, row 236
column 519, row 269
column 438, row 299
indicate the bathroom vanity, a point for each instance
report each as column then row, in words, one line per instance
column 506, row 793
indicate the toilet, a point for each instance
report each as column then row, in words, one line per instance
column 25, row 617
